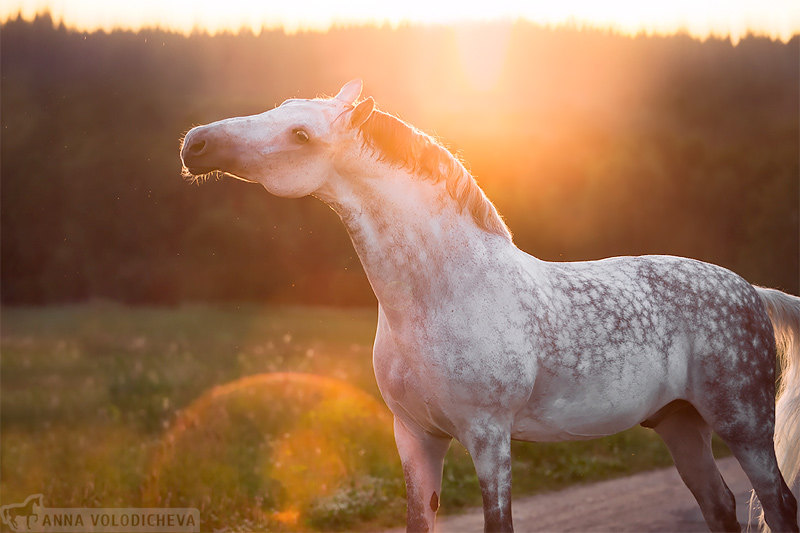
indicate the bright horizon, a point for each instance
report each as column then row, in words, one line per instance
column 777, row 19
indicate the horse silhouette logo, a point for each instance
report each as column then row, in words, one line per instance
column 12, row 514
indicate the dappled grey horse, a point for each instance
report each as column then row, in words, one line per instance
column 479, row 341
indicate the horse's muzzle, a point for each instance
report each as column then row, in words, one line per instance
column 198, row 153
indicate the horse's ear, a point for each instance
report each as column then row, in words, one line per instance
column 362, row 112
column 350, row 92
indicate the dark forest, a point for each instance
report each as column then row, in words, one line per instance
column 591, row 144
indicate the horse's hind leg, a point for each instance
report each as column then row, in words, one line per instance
column 744, row 418
column 740, row 408
column 757, row 457
column 688, row 438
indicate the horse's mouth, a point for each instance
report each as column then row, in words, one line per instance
column 200, row 171
column 200, row 174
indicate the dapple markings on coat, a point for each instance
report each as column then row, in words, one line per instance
column 479, row 341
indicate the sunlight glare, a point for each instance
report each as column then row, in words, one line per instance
column 778, row 19
column 482, row 51
column 305, row 435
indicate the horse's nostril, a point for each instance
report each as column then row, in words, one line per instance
column 197, row 147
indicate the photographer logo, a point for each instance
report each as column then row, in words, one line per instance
column 32, row 516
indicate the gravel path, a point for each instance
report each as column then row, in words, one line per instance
column 651, row 501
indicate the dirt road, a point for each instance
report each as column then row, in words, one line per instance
column 651, row 501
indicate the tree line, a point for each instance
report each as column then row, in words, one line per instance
column 591, row 144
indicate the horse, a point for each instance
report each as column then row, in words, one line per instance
column 27, row 509
column 479, row 341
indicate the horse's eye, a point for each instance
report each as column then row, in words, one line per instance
column 300, row 136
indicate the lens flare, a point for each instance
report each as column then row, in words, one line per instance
column 275, row 447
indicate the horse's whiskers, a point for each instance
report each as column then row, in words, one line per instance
column 198, row 179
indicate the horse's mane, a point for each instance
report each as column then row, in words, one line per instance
column 399, row 143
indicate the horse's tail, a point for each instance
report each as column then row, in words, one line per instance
column 784, row 311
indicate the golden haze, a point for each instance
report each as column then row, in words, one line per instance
column 778, row 19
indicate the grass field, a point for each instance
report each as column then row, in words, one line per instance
column 109, row 406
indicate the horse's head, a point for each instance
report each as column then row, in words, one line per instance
column 291, row 150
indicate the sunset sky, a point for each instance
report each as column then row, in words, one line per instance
column 775, row 18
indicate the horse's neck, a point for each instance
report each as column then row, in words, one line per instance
column 414, row 242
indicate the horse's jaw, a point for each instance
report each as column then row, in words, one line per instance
column 240, row 178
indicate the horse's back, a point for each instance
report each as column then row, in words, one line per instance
column 657, row 300
column 622, row 337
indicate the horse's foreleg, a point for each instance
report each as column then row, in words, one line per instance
column 422, row 455
column 490, row 448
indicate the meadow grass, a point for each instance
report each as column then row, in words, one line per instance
column 93, row 395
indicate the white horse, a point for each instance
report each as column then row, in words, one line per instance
column 479, row 341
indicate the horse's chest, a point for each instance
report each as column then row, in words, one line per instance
column 408, row 384
column 440, row 383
